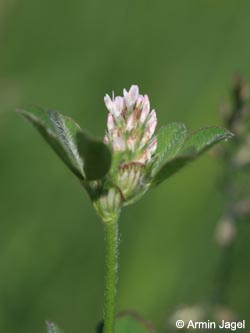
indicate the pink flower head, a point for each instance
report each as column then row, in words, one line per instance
column 131, row 125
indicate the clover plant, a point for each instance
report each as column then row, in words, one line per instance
column 118, row 170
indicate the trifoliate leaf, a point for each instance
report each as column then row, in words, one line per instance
column 62, row 134
column 195, row 144
column 52, row 328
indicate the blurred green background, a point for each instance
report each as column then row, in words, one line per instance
column 66, row 55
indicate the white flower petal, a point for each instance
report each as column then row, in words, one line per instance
column 133, row 94
column 152, row 116
column 153, row 146
column 106, row 139
column 125, row 93
column 145, row 109
column 110, row 122
column 152, row 122
column 131, row 143
column 108, row 102
column 139, row 101
column 115, row 134
column 130, row 123
column 145, row 139
column 118, row 106
column 119, row 144
column 152, row 128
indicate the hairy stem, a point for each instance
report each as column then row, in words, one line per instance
column 111, row 242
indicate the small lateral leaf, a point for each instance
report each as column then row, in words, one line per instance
column 195, row 144
column 52, row 328
column 131, row 322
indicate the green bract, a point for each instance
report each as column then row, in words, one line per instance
column 110, row 181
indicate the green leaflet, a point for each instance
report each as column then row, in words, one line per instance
column 205, row 138
column 66, row 138
column 172, row 166
column 170, row 139
column 194, row 145
column 52, row 328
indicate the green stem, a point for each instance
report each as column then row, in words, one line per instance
column 111, row 240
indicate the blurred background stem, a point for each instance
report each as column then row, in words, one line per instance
column 236, row 164
column 111, row 242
